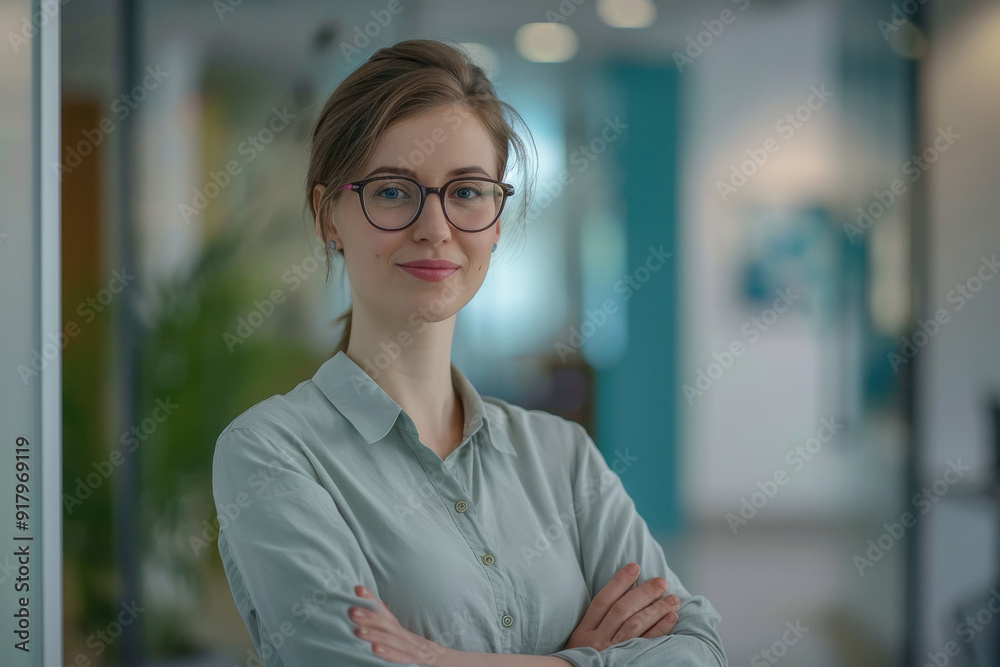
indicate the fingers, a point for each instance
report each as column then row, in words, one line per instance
column 666, row 624
column 389, row 640
column 630, row 604
column 361, row 591
column 393, row 647
column 378, row 619
column 608, row 596
column 647, row 618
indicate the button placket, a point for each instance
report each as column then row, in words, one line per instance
column 476, row 538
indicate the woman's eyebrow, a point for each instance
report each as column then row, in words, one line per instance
column 403, row 171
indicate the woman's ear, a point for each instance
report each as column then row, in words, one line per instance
column 317, row 195
column 324, row 217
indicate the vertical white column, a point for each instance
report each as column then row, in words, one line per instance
column 31, row 336
column 46, row 139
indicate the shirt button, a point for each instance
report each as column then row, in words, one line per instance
column 488, row 559
column 507, row 620
column 461, row 506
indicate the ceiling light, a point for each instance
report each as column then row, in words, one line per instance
column 546, row 42
column 627, row 13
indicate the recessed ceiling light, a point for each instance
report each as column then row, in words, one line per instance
column 627, row 13
column 546, row 42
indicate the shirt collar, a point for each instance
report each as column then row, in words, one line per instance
column 373, row 412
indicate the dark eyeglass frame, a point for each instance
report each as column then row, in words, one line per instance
column 359, row 186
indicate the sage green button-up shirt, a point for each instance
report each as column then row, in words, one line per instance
column 499, row 548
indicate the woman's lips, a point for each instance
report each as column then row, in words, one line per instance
column 430, row 271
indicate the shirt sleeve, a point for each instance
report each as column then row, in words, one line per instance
column 294, row 555
column 612, row 534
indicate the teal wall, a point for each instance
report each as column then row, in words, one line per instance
column 637, row 398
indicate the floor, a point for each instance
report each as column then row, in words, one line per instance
column 763, row 579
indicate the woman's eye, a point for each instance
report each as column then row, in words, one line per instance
column 390, row 193
column 467, row 192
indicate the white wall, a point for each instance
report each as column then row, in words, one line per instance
column 771, row 400
column 963, row 361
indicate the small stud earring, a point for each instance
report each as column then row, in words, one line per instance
column 333, row 244
column 494, row 248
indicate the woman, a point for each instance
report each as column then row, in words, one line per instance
column 464, row 529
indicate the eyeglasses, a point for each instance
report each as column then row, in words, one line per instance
column 470, row 203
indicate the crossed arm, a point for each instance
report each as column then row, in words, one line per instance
column 622, row 626
column 616, row 614
column 276, row 554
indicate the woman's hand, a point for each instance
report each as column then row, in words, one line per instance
column 617, row 614
column 390, row 640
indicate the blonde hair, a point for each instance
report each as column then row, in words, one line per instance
column 403, row 80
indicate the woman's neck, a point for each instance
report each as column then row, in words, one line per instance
column 417, row 376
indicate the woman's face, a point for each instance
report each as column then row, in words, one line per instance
column 432, row 148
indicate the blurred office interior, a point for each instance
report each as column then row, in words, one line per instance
column 817, row 349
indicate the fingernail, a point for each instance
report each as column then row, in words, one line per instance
column 673, row 599
column 632, row 568
column 660, row 582
column 671, row 617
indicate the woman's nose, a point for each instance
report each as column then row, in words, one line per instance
column 432, row 221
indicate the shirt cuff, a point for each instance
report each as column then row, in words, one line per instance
column 583, row 656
